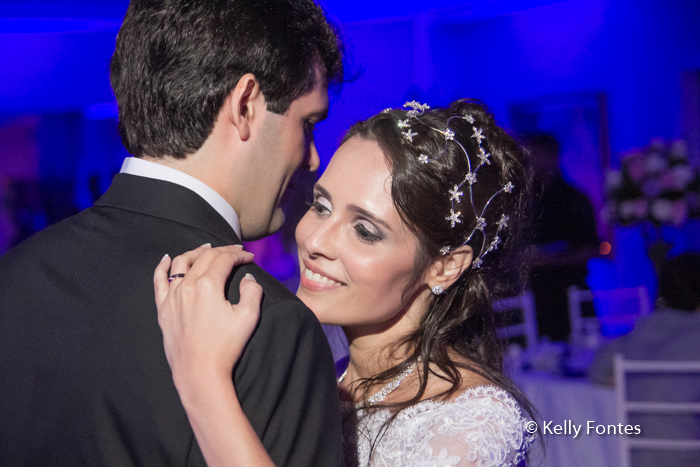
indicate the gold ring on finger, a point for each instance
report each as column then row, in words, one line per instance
column 175, row 276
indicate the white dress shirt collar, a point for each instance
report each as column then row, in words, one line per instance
column 142, row 168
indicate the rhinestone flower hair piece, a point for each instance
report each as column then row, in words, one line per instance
column 466, row 185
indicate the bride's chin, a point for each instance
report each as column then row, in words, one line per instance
column 309, row 302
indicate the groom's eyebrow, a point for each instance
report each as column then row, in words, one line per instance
column 319, row 115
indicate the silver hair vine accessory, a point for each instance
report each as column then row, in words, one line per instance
column 470, row 178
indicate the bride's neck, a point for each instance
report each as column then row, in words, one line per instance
column 369, row 358
column 373, row 346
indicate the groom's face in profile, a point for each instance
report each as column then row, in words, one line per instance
column 286, row 144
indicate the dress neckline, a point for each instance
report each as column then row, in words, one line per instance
column 480, row 390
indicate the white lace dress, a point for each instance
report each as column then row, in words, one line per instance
column 482, row 427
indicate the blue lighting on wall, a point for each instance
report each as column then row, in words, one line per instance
column 55, row 25
column 54, row 65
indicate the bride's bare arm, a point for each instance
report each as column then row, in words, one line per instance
column 204, row 336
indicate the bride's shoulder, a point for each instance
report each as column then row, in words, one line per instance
column 477, row 401
column 488, row 397
column 473, row 389
column 483, row 425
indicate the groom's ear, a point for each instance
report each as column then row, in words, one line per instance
column 245, row 103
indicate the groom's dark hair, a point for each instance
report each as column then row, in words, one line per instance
column 176, row 61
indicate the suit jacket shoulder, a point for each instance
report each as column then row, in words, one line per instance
column 84, row 375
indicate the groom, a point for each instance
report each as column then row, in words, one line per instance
column 217, row 102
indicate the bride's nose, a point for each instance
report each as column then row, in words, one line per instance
column 322, row 240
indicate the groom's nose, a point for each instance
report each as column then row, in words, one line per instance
column 312, row 161
column 314, row 158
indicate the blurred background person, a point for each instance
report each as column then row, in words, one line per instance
column 8, row 228
column 672, row 332
column 564, row 238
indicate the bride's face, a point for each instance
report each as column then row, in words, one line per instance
column 355, row 253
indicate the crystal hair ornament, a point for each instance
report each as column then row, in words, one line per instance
column 470, row 178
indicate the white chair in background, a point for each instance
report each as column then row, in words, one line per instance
column 577, row 322
column 615, row 307
column 528, row 326
column 625, row 407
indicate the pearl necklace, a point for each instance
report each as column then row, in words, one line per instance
column 385, row 391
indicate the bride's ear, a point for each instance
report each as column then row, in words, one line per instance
column 448, row 268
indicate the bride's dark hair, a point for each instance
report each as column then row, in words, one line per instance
column 458, row 330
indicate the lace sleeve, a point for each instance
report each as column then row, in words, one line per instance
column 483, row 427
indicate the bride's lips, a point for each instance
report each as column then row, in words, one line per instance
column 315, row 280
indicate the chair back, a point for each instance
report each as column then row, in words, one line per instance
column 625, row 406
column 527, row 328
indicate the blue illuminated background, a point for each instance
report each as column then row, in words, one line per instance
column 626, row 69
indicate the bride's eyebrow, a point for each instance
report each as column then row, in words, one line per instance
column 323, row 192
column 352, row 208
column 368, row 215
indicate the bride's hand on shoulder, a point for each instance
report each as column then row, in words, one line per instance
column 204, row 335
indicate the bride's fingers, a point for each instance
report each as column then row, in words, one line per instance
column 251, row 296
column 160, row 279
column 182, row 263
column 216, row 264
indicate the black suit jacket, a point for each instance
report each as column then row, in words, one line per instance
column 83, row 375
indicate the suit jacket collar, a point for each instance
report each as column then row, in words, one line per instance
column 167, row 201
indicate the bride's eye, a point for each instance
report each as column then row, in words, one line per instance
column 367, row 232
column 321, row 206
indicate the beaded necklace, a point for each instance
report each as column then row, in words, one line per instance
column 385, row 391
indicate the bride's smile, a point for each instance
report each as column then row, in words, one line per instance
column 317, row 280
column 355, row 253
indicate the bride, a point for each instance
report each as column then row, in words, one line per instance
column 416, row 226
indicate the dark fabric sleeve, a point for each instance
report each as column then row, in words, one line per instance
column 286, row 384
column 583, row 228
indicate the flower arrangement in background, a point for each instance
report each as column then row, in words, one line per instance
column 656, row 184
